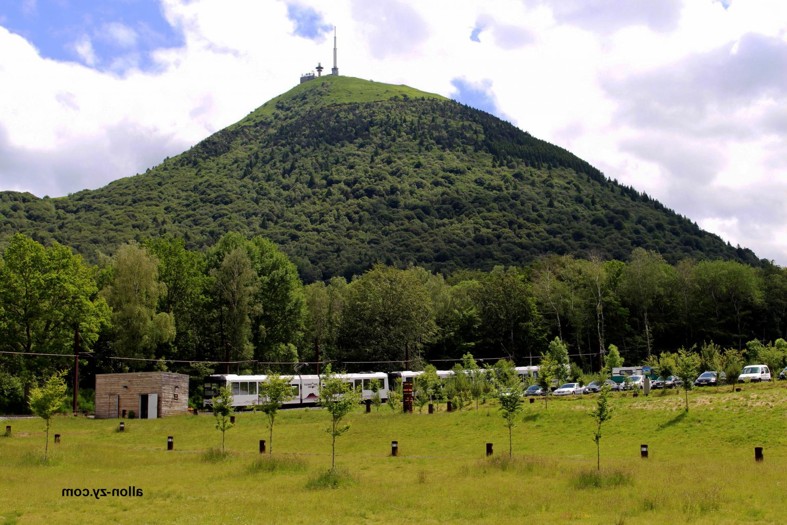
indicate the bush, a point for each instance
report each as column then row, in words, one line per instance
column 12, row 397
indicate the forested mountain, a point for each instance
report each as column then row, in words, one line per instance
column 342, row 173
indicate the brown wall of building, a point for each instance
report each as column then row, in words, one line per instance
column 118, row 392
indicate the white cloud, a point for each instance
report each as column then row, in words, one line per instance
column 682, row 99
column 119, row 34
column 83, row 47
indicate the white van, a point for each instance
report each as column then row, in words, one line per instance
column 755, row 373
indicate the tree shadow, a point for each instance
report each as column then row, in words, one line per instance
column 674, row 421
column 531, row 417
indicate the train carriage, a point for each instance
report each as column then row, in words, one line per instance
column 305, row 388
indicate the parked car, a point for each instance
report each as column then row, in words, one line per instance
column 592, row 387
column 569, row 389
column 755, row 373
column 636, row 381
column 673, row 382
column 595, row 386
column 708, row 378
column 534, row 390
column 783, row 373
column 658, row 382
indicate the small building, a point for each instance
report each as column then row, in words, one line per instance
column 149, row 395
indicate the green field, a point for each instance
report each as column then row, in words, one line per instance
column 701, row 467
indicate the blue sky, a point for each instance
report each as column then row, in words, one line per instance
column 107, row 35
column 685, row 100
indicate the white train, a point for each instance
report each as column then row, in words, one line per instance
column 306, row 387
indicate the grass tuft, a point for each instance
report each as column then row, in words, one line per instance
column 601, row 479
column 331, row 479
column 516, row 464
column 215, row 455
column 277, row 464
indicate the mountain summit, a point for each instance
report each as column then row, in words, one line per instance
column 343, row 173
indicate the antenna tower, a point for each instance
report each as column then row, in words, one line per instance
column 335, row 68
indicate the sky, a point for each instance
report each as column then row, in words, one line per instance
column 685, row 100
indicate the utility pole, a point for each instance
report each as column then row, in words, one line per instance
column 76, row 370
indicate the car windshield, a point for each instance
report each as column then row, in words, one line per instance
column 635, row 378
column 708, row 374
column 751, row 370
column 534, row 387
column 568, row 385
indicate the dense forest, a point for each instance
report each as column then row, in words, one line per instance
column 343, row 174
column 240, row 305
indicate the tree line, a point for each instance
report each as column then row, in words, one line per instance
column 240, row 306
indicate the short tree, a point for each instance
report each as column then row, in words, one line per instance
column 222, row 411
column 710, row 359
column 395, row 395
column 475, row 376
column 601, row 413
column 509, row 394
column 429, row 384
column 377, row 400
column 687, row 365
column 772, row 355
column 732, row 365
column 47, row 400
column 338, row 398
column 612, row 360
column 559, row 353
column 274, row 391
column 547, row 372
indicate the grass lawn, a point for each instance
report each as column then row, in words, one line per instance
column 701, row 467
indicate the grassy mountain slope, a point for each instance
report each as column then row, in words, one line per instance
column 343, row 173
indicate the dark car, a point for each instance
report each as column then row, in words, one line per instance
column 708, row 379
column 534, row 390
column 783, row 374
column 657, row 383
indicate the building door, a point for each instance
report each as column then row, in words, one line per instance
column 152, row 406
column 148, row 406
column 143, row 406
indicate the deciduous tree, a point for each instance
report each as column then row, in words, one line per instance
column 339, row 399
column 687, row 365
column 274, row 391
column 47, row 400
column 222, row 411
column 509, row 395
column 601, row 414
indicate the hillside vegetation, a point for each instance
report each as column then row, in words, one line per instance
column 342, row 173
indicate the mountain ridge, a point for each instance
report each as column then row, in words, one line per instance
column 343, row 173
